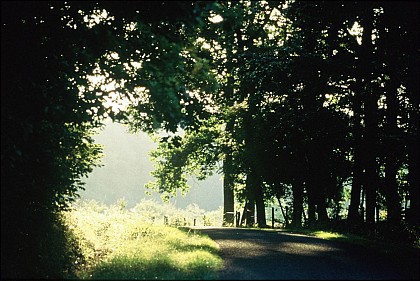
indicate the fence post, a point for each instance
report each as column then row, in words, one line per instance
column 194, row 221
column 237, row 216
column 272, row 217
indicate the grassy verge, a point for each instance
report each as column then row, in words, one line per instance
column 118, row 244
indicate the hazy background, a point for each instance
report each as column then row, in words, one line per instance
column 127, row 168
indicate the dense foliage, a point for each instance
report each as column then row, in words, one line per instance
column 314, row 103
column 45, row 142
column 58, row 62
column 313, row 97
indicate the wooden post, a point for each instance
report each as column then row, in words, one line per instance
column 238, row 215
column 272, row 217
column 194, row 221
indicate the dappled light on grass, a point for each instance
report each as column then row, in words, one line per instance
column 327, row 235
column 162, row 265
column 118, row 245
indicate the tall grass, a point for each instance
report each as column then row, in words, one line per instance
column 133, row 244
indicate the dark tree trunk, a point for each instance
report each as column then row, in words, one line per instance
column 286, row 219
column 413, row 90
column 259, row 201
column 250, row 211
column 317, row 180
column 356, row 188
column 228, row 184
column 362, row 206
column 391, row 164
column 228, row 201
column 311, row 204
column 297, row 189
column 413, row 144
column 414, row 178
column 371, row 176
column 322, row 210
column 321, row 204
column 310, row 186
column 367, row 59
column 250, row 214
column 246, row 207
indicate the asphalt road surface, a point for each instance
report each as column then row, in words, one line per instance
column 251, row 254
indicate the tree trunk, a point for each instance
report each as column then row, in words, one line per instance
column 371, row 140
column 297, row 189
column 228, row 184
column 414, row 178
column 286, row 220
column 259, row 201
column 322, row 210
column 391, row 165
column 246, row 207
column 250, row 211
column 356, row 188
column 311, row 204
column 371, row 176
column 228, row 201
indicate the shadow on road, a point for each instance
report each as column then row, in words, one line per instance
column 251, row 254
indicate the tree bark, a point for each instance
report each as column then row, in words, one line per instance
column 228, row 201
column 370, row 97
column 246, row 207
column 356, row 188
column 297, row 189
column 286, row 220
column 391, row 164
column 322, row 210
column 371, row 176
column 228, row 185
column 259, row 201
column 414, row 180
column 311, row 205
column 250, row 193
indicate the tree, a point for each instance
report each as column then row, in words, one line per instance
column 46, row 143
column 51, row 104
column 272, row 89
column 225, row 41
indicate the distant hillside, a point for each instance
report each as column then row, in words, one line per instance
column 127, row 168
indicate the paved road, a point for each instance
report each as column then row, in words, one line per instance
column 263, row 255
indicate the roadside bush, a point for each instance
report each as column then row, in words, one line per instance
column 118, row 243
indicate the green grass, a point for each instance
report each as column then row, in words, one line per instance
column 118, row 244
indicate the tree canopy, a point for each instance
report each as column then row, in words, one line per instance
column 313, row 102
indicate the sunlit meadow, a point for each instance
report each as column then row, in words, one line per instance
column 146, row 242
